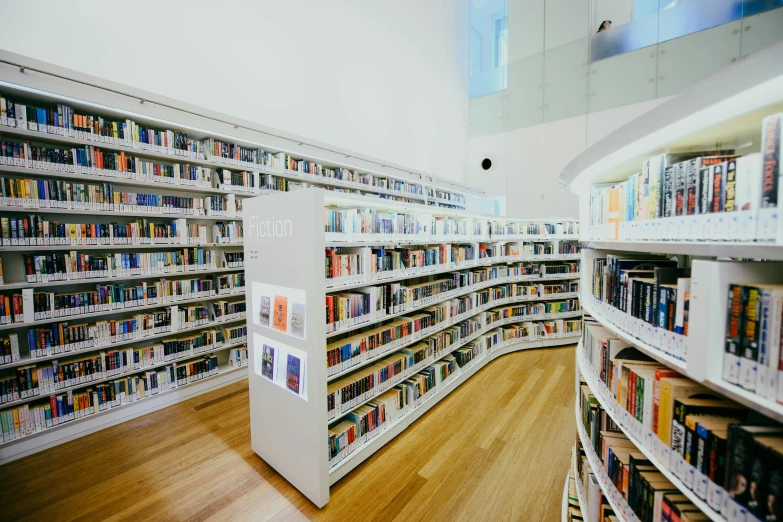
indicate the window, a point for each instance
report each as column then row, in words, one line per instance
column 501, row 39
column 475, row 52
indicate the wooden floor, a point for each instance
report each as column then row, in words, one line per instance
column 496, row 449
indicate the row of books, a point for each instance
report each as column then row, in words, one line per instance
column 38, row 230
column 457, row 199
column 131, row 134
column 257, row 181
column 357, row 348
column 373, row 221
column 399, row 260
column 92, row 160
column 416, row 379
column 372, row 303
column 232, row 232
column 715, row 446
column 645, row 490
column 67, row 336
column 702, row 183
column 9, row 348
column 46, row 378
column 231, row 283
column 236, row 334
column 107, row 297
column 514, row 228
column 225, row 310
column 530, row 310
column 341, row 263
column 252, row 158
column 54, row 193
column 752, row 354
column 595, row 505
column 61, row 408
column 373, row 398
column 51, row 193
column 395, row 262
column 74, row 265
column 573, row 511
column 62, row 120
column 647, row 287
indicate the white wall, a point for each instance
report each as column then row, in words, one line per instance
column 385, row 79
column 528, row 161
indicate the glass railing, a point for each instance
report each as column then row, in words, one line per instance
column 556, row 79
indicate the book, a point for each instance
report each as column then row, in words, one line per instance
column 298, row 320
column 730, row 188
column 718, row 187
column 692, row 186
column 293, row 373
column 680, row 188
column 748, row 182
column 268, row 362
column 280, row 314
column 671, row 389
column 771, row 129
column 737, row 303
column 681, row 306
column 265, row 312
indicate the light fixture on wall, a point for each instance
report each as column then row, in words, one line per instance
column 488, row 162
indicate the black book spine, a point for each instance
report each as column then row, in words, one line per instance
column 680, row 183
column 692, row 187
column 705, row 190
column 718, row 187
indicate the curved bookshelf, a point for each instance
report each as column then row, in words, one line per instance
column 111, row 416
column 564, row 509
column 596, row 310
column 721, row 109
column 387, row 433
column 616, row 500
column 695, row 248
column 648, row 443
column 580, row 495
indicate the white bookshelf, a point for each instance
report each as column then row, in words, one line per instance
column 648, row 443
column 615, row 499
column 580, row 494
column 299, row 451
column 564, row 509
column 34, row 83
column 724, row 112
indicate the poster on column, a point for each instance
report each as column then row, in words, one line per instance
column 281, row 364
column 279, row 308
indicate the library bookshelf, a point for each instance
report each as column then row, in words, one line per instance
column 307, row 448
column 580, row 494
column 726, row 248
column 122, row 245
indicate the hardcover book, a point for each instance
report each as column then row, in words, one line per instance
column 265, row 310
column 268, row 362
column 298, row 320
column 293, row 373
column 280, row 314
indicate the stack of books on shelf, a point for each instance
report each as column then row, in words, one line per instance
column 647, row 297
column 572, row 507
column 133, row 152
column 706, row 196
column 723, row 456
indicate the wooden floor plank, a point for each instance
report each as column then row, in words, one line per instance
column 495, row 449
